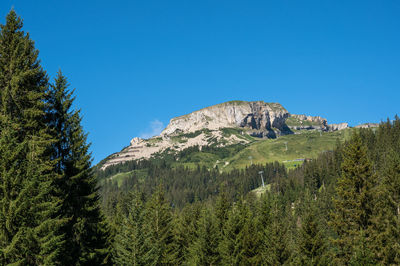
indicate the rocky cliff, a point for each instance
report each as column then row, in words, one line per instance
column 263, row 119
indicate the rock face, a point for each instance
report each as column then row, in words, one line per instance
column 340, row 126
column 367, row 125
column 301, row 122
column 264, row 119
column 208, row 127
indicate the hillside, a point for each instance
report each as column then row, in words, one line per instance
column 290, row 150
column 300, row 147
column 236, row 123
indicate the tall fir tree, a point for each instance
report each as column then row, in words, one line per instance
column 228, row 247
column 29, row 226
column 186, row 226
column 353, row 204
column 276, row 250
column 311, row 242
column 86, row 233
column 385, row 228
column 159, row 240
column 263, row 220
column 204, row 249
column 222, row 206
column 129, row 241
column 237, row 246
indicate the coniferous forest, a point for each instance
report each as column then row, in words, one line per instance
column 342, row 208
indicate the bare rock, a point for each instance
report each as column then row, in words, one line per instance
column 367, row 125
column 340, row 126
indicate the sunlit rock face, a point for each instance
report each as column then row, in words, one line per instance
column 258, row 116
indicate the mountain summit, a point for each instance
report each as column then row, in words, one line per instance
column 234, row 122
column 264, row 119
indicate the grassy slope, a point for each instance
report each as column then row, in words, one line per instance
column 261, row 190
column 121, row 176
column 308, row 144
column 305, row 145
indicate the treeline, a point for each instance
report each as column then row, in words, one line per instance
column 49, row 207
column 340, row 209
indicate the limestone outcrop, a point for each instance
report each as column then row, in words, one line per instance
column 367, row 125
column 340, row 126
column 304, row 122
column 266, row 119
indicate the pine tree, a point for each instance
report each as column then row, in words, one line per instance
column 129, row 241
column 159, row 242
column 238, row 244
column 228, row 247
column 29, row 226
column 276, row 243
column 249, row 241
column 362, row 254
column 385, row 228
column 204, row 249
column 353, row 205
column 262, row 221
column 221, row 208
column 186, row 226
column 86, row 232
column 180, row 240
column 311, row 244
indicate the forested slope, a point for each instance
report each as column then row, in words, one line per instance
column 341, row 208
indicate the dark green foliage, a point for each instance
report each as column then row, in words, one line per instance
column 362, row 255
column 276, row 248
column 385, row 228
column 186, row 227
column 222, row 206
column 159, row 240
column 85, row 231
column 129, row 241
column 353, row 205
column 238, row 245
column 204, row 249
column 28, row 223
column 311, row 243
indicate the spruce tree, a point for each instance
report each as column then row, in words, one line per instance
column 262, row 221
column 228, row 247
column 311, row 244
column 353, row 205
column 237, row 246
column 249, row 241
column 159, row 240
column 186, row 227
column 204, row 249
column 86, row 232
column 385, row 228
column 129, row 241
column 276, row 250
column 222, row 206
column 29, row 226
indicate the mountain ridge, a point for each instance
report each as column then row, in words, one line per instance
column 224, row 124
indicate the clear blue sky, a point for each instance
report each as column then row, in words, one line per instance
column 137, row 64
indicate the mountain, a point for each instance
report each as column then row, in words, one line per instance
column 223, row 125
